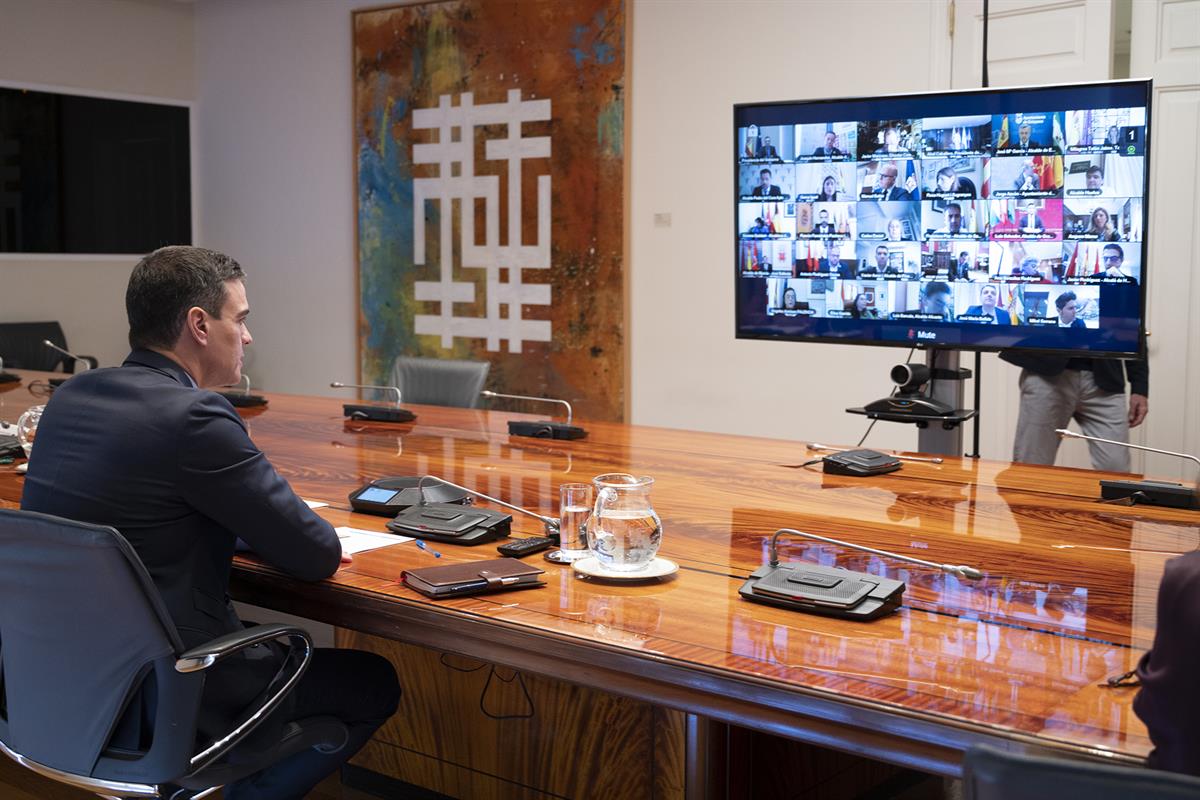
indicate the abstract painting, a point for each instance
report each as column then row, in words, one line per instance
column 489, row 144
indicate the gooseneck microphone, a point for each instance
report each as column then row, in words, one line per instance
column 340, row 385
column 81, row 363
column 366, row 411
column 570, row 411
column 1154, row 493
column 541, row 429
column 550, row 523
column 958, row 570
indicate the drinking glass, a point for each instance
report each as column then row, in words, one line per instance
column 575, row 506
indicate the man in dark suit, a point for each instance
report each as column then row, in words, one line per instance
column 1170, row 694
column 824, row 227
column 887, row 189
column 1023, row 140
column 766, row 149
column 832, row 263
column 765, row 188
column 144, row 448
column 830, row 147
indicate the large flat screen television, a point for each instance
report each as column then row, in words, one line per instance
column 92, row 175
column 980, row 220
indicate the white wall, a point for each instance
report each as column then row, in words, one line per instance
column 691, row 63
column 116, row 47
column 276, row 149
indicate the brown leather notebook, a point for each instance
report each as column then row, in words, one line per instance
column 475, row 577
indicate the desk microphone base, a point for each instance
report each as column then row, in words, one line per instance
column 545, row 430
column 1151, row 493
column 239, row 400
column 8, row 377
column 363, row 411
column 828, row 591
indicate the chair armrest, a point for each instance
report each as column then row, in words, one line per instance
column 209, row 653
column 204, row 656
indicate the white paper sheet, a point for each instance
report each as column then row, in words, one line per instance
column 356, row 540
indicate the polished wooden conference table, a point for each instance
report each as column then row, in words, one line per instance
column 1017, row 659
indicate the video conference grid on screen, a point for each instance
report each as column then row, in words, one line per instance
column 1027, row 217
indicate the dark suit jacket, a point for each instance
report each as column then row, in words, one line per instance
column 895, row 193
column 1108, row 373
column 772, row 192
column 1169, row 700
column 1002, row 317
column 820, row 152
column 824, row 228
column 172, row 468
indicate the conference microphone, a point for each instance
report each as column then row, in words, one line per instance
column 833, row 591
column 81, row 363
column 243, row 398
column 1152, row 493
column 366, row 411
column 540, row 429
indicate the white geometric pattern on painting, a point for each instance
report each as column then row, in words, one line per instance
column 454, row 154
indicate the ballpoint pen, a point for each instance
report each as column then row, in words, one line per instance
column 427, row 548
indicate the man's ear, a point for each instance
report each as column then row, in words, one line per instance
column 195, row 325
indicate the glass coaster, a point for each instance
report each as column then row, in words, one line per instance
column 566, row 556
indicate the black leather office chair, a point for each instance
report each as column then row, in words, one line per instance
column 96, row 690
column 440, row 382
column 22, row 346
column 991, row 774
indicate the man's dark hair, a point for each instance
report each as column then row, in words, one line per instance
column 1116, row 247
column 936, row 287
column 764, row 172
column 1063, row 299
column 955, row 206
column 1095, row 170
column 168, row 282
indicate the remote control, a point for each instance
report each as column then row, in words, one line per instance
column 524, row 547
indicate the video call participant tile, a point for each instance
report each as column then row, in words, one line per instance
column 773, row 180
column 826, row 221
column 1027, row 219
column 766, row 220
column 834, row 141
column 889, row 139
column 825, row 182
column 1100, row 219
column 1103, row 175
column 829, row 258
column 961, row 136
column 759, row 257
column 1102, row 263
column 1029, row 133
column 1076, row 307
column 1024, row 176
column 889, row 180
column 1106, row 130
column 954, row 219
column 953, row 260
column 957, row 178
column 1026, row 262
column 893, row 222
column 889, row 260
column 765, row 143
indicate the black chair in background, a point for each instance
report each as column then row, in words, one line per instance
column 96, row 690
column 440, row 382
column 22, row 346
column 991, row 774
